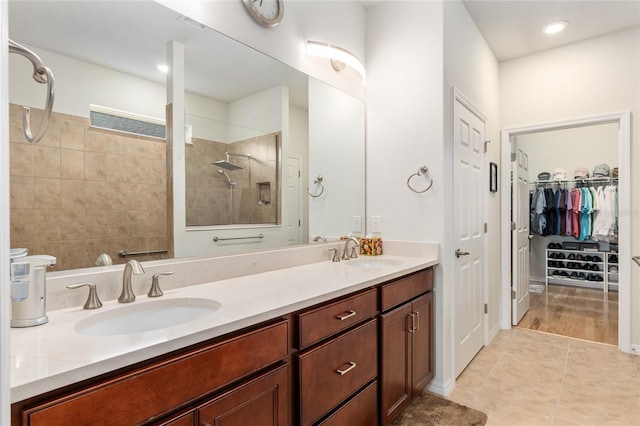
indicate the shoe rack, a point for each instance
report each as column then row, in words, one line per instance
column 582, row 268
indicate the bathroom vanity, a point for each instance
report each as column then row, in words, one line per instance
column 325, row 343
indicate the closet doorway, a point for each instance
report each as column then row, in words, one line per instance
column 579, row 283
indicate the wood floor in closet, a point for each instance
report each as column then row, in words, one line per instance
column 582, row 313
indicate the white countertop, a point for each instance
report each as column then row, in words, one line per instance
column 53, row 355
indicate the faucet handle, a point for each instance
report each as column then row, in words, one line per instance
column 155, row 290
column 336, row 256
column 93, row 301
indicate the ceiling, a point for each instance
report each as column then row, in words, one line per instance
column 514, row 28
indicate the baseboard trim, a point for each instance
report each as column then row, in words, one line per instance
column 440, row 388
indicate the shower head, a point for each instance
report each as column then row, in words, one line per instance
column 226, row 164
column 222, row 172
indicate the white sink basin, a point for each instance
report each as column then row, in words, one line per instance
column 373, row 262
column 149, row 316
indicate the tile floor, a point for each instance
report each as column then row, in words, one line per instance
column 531, row 378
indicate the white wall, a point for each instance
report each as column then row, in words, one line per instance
column 471, row 67
column 337, row 22
column 5, row 306
column 299, row 145
column 336, row 151
column 404, row 132
column 594, row 77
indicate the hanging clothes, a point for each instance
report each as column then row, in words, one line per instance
column 550, row 212
column 561, row 206
column 537, row 211
column 568, row 213
column 585, row 214
column 576, row 198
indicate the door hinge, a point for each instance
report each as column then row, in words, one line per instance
column 485, row 145
column 513, row 294
column 299, row 222
column 485, row 227
column 299, row 173
column 513, row 156
column 513, row 226
column 486, row 308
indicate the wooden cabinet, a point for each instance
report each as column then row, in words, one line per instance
column 406, row 344
column 153, row 391
column 261, row 402
column 349, row 365
column 336, row 369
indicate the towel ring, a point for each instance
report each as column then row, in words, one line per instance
column 422, row 170
column 318, row 181
column 41, row 74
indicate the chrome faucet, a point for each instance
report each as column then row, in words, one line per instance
column 132, row 267
column 319, row 238
column 345, row 253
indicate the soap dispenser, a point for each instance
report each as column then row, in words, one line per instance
column 28, row 290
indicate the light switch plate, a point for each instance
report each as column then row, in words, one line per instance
column 357, row 224
column 376, row 224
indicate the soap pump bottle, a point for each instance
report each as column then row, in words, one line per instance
column 28, row 292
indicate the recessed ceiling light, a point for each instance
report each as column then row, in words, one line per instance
column 555, row 27
column 163, row 68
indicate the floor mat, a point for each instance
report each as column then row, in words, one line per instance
column 536, row 288
column 431, row 410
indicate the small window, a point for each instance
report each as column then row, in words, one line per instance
column 121, row 121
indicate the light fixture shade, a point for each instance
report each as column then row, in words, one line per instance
column 325, row 50
column 555, row 27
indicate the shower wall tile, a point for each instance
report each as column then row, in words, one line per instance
column 22, row 192
column 72, row 194
column 95, row 166
column 46, row 161
column 72, row 132
column 72, row 164
column 90, row 187
column 72, row 224
column 47, row 194
column 48, row 225
column 21, row 157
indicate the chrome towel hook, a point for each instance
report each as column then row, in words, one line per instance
column 41, row 74
column 421, row 171
column 318, row 181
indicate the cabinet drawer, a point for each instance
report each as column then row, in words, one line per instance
column 156, row 389
column 263, row 401
column 399, row 291
column 331, row 372
column 316, row 324
column 361, row 410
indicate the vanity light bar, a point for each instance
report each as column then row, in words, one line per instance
column 325, row 50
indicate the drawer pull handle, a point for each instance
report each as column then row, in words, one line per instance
column 351, row 367
column 417, row 321
column 346, row 315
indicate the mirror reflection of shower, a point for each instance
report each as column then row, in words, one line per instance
column 233, row 201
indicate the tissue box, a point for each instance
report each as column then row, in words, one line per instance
column 371, row 246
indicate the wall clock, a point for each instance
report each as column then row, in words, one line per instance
column 267, row 13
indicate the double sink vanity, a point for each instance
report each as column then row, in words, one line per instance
column 329, row 343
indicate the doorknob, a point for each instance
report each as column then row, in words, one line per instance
column 461, row 253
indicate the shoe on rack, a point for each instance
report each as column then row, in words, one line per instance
column 564, row 274
column 588, row 258
column 613, row 258
column 579, row 257
column 560, row 256
column 572, row 257
column 582, row 276
column 574, row 275
column 613, row 268
column 591, row 277
column 599, row 277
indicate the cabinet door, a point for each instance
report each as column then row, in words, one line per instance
column 182, row 419
column 395, row 372
column 261, row 402
column 422, row 348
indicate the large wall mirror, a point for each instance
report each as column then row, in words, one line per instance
column 258, row 134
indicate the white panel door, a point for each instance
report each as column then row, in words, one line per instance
column 470, row 186
column 294, row 219
column 520, row 235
